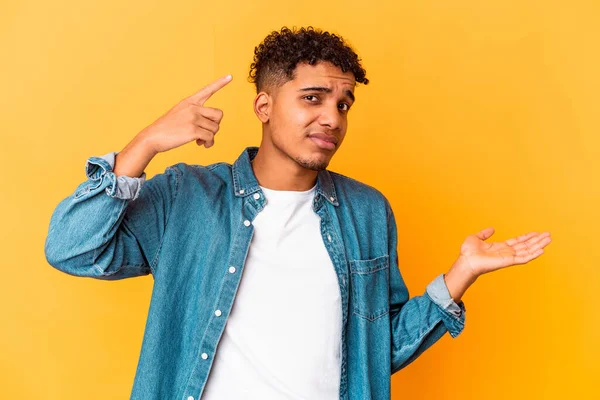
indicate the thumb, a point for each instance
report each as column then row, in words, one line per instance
column 485, row 234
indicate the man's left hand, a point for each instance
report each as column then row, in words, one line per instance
column 478, row 257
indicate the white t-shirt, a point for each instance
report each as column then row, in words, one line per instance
column 282, row 338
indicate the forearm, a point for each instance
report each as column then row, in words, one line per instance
column 134, row 158
column 458, row 279
column 421, row 321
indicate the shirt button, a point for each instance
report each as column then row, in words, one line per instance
column 332, row 198
column 247, row 223
column 190, row 398
column 256, row 196
column 241, row 191
column 329, row 237
column 204, row 356
column 231, row 270
column 218, row 313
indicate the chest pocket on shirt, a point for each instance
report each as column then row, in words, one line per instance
column 370, row 287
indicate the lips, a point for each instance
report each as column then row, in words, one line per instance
column 324, row 141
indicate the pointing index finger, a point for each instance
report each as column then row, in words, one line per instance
column 204, row 94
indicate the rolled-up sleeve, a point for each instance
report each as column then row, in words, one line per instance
column 120, row 187
column 453, row 314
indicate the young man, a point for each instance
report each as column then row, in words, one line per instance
column 274, row 278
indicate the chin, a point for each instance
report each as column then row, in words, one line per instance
column 313, row 163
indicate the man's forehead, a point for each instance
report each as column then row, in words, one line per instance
column 322, row 73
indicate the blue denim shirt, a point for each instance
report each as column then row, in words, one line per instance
column 191, row 228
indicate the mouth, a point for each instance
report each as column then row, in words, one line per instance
column 323, row 141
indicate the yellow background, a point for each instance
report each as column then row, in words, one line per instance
column 480, row 113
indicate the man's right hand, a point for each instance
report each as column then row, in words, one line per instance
column 187, row 121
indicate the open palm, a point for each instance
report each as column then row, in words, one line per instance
column 483, row 257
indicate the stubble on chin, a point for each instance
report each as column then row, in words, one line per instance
column 314, row 165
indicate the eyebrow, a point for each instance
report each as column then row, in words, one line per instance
column 325, row 90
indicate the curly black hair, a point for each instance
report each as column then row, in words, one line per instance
column 276, row 58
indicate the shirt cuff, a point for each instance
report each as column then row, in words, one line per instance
column 452, row 313
column 121, row 187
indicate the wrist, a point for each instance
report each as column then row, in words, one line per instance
column 463, row 268
column 134, row 158
column 459, row 278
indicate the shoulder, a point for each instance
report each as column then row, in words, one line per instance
column 219, row 169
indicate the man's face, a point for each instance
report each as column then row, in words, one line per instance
column 308, row 116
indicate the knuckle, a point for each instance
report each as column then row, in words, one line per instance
column 191, row 114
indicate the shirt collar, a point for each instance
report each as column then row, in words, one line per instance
column 245, row 183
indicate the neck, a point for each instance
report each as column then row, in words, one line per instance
column 275, row 170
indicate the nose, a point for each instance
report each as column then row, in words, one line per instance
column 330, row 117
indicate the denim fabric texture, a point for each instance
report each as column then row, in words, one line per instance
column 191, row 228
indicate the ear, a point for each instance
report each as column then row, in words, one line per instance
column 262, row 106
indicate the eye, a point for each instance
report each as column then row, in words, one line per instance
column 311, row 98
column 344, row 106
